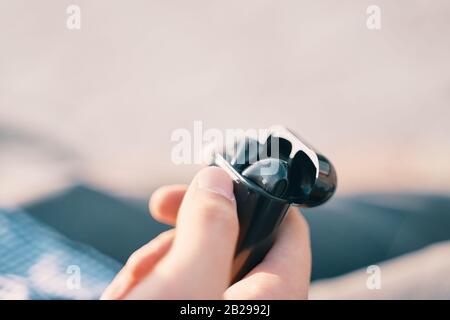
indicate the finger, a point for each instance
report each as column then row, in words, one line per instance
column 198, row 266
column 139, row 264
column 285, row 271
column 165, row 203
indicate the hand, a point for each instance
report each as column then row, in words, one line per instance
column 193, row 261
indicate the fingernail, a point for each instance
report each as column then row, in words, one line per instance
column 216, row 180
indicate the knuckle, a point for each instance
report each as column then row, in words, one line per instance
column 134, row 259
column 132, row 267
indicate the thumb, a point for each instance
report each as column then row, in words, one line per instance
column 198, row 266
column 207, row 229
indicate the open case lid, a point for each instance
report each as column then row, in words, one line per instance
column 312, row 177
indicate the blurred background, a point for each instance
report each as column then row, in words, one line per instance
column 98, row 105
column 87, row 115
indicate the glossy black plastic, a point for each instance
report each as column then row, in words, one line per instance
column 305, row 178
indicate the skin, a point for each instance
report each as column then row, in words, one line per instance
column 193, row 260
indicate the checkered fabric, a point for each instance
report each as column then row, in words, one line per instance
column 37, row 262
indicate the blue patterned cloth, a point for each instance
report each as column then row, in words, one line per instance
column 36, row 262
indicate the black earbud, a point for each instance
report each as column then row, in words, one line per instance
column 271, row 166
column 247, row 152
column 269, row 177
column 270, row 174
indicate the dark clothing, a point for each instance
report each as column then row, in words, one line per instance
column 347, row 233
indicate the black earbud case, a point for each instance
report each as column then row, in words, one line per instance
column 311, row 180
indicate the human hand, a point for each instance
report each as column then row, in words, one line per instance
column 193, row 261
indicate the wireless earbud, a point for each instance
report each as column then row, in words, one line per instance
column 269, row 176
